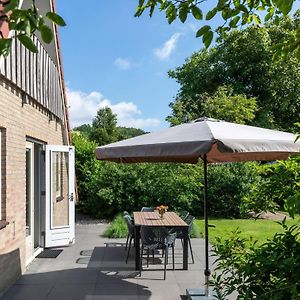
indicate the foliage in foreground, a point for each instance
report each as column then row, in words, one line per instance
column 267, row 272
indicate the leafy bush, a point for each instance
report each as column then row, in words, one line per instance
column 227, row 186
column 267, row 272
column 277, row 183
column 117, row 228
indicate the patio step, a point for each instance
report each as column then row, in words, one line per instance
column 199, row 294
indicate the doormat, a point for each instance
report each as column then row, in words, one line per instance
column 50, row 253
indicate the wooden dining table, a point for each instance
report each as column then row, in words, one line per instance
column 170, row 220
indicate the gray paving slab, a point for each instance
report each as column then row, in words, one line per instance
column 94, row 268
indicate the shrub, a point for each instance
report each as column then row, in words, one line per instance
column 277, row 183
column 267, row 272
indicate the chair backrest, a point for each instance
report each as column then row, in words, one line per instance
column 146, row 209
column 129, row 224
column 184, row 214
column 189, row 220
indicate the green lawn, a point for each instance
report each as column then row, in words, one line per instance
column 259, row 230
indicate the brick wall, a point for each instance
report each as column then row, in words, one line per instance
column 18, row 121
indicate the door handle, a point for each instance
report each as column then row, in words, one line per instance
column 72, row 197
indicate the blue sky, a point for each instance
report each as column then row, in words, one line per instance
column 112, row 59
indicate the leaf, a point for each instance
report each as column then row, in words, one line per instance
column 27, row 42
column 211, row 14
column 55, row 18
column 12, row 4
column 171, row 13
column 5, row 45
column 285, row 6
column 221, row 4
column 197, row 13
column 203, row 30
column 207, row 38
column 183, row 12
column 47, row 34
column 256, row 19
column 234, row 21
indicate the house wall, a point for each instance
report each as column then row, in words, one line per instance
column 18, row 121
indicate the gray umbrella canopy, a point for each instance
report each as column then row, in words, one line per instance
column 220, row 141
column 209, row 139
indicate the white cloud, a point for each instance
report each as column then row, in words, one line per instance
column 168, row 47
column 122, row 63
column 83, row 108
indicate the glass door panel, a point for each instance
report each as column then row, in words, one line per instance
column 60, row 189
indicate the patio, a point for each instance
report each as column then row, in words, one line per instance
column 94, row 268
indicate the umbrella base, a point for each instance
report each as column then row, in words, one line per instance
column 199, row 294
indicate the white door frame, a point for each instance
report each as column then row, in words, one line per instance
column 30, row 238
column 56, row 236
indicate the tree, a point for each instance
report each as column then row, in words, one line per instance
column 126, row 133
column 24, row 23
column 243, row 60
column 84, row 129
column 104, row 127
column 234, row 13
column 223, row 105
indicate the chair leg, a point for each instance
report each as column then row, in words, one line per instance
column 162, row 252
column 191, row 250
column 148, row 250
column 173, row 257
column 129, row 246
column 126, row 242
column 153, row 256
column 166, row 262
column 141, row 260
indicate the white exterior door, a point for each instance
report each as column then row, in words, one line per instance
column 60, row 196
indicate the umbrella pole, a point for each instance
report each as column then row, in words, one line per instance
column 207, row 270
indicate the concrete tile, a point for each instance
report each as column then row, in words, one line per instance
column 116, row 297
column 165, row 290
column 27, row 292
column 71, row 292
column 94, row 268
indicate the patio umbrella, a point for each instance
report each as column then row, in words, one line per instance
column 213, row 141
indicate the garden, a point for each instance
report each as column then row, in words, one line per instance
column 258, row 259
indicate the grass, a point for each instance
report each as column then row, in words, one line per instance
column 117, row 228
column 259, row 230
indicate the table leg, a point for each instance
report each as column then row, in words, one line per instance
column 185, row 248
column 137, row 247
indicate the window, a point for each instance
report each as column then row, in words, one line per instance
column 58, row 178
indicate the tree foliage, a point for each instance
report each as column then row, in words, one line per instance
column 223, row 105
column 243, row 61
column 104, row 129
column 234, row 14
column 24, row 23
